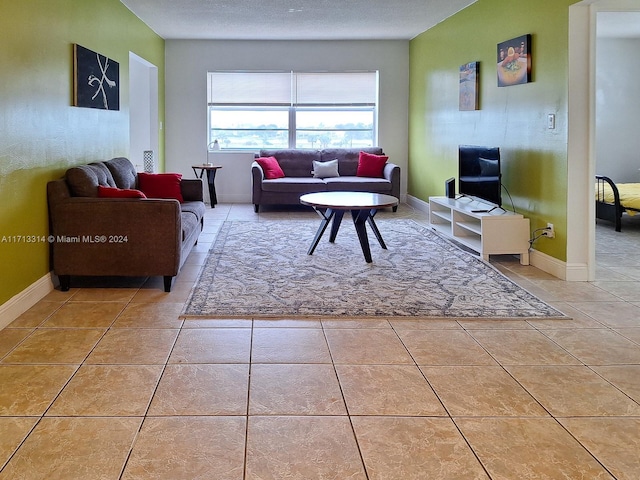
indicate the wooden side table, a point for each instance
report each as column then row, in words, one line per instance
column 211, row 178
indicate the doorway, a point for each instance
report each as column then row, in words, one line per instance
column 143, row 110
column 617, row 112
column 581, row 161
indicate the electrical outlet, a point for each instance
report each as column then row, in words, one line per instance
column 549, row 231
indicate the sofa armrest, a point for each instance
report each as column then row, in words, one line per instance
column 108, row 236
column 257, row 176
column 392, row 173
column 191, row 189
column 257, row 172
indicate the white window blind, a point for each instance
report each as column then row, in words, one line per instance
column 250, row 110
column 318, row 89
column 292, row 88
column 249, row 88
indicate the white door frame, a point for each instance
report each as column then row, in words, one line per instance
column 581, row 236
column 143, row 110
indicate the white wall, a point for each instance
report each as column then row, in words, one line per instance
column 143, row 110
column 618, row 109
column 187, row 64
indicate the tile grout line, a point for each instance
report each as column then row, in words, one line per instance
column 246, row 426
column 346, row 406
column 448, row 412
column 146, row 412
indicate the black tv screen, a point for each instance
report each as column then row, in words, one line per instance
column 479, row 173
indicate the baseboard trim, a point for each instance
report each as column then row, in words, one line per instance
column 23, row 301
column 548, row 264
column 418, row 204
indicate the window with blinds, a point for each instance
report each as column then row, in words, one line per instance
column 252, row 110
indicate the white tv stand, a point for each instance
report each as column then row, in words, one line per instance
column 495, row 232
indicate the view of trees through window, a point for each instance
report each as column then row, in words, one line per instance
column 239, row 128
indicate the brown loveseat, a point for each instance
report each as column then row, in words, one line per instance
column 297, row 166
column 133, row 237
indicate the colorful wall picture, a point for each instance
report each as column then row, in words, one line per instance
column 514, row 61
column 96, row 80
column 469, row 86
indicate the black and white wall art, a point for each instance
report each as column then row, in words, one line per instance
column 96, row 80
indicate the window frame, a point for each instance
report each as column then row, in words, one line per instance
column 293, row 109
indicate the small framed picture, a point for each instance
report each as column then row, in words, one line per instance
column 96, row 80
column 514, row 61
column 469, row 86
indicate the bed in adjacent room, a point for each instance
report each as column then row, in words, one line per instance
column 613, row 200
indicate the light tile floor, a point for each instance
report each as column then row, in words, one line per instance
column 107, row 382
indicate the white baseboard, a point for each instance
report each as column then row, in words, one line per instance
column 548, row 264
column 232, row 198
column 418, row 204
column 23, row 301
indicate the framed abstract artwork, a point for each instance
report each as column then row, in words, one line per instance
column 96, row 80
column 514, row 61
column 468, row 95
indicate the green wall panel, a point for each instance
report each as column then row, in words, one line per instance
column 534, row 158
column 41, row 133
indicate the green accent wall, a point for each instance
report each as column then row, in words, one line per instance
column 41, row 133
column 534, row 158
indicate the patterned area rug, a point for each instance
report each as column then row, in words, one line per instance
column 261, row 269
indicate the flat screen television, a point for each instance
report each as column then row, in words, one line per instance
column 479, row 173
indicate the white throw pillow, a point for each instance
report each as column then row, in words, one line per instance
column 325, row 169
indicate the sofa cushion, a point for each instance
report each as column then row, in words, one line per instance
column 370, row 165
column 358, row 184
column 161, row 185
column 270, row 167
column 115, row 192
column 294, row 184
column 325, row 169
column 123, row 172
column 294, row 163
column 189, row 223
column 83, row 180
column 348, row 157
column 197, row 209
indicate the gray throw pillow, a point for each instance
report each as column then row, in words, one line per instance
column 325, row 169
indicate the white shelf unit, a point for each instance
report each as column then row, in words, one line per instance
column 497, row 232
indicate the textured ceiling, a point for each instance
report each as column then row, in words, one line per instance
column 293, row 19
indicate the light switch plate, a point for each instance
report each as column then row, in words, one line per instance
column 551, row 121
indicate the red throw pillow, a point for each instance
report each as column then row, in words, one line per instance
column 271, row 167
column 161, row 185
column 370, row 165
column 115, row 192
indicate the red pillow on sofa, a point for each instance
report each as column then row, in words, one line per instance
column 370, row 165
column 161, row 185
column 271, row 167
column 115, row 192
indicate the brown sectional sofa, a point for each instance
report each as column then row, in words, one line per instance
column 132, row 237
column 297, row 166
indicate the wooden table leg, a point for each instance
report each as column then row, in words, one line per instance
column 335, row 226
column 374, row 227
column 211, row 179
column 326, row 218
column 360, row 222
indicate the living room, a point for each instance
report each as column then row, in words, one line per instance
column 44, row 135
column 423, row 145
column 112, row 382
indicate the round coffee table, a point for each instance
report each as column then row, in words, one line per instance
column 363, row 207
